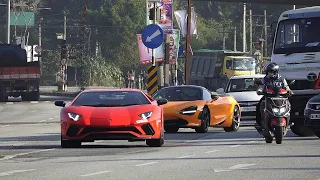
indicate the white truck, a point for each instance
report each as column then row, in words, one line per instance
column 296, row 49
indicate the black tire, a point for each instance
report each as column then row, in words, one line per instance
column 70, row 143
column 34, row 96
column 25, row 97
column 3, row 97
column 268, row 139
column 156, row 142
column 301, row 130
column 171, row 129
column 317, row 133
column 278, row 134
column 205, row 121
column 235, row 121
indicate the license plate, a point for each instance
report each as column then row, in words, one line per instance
column 248, row 109
column 314, row 116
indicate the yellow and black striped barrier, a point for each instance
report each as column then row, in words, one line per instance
column 152, row 80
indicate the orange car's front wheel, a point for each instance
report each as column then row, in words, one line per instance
column 205, row 121
column 235, row 121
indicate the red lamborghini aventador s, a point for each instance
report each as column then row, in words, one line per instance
column 112, row 114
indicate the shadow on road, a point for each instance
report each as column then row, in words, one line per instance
column 54, row 137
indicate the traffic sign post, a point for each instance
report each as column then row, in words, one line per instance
column 152, row 37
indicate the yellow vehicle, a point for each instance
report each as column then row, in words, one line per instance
column 213, row 68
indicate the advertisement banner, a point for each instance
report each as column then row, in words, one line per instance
column 146, row 53
column 174, row 46
column 166, row 14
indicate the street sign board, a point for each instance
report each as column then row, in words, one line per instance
column 180, row 52
column 21, row 18
column 38, row 49
column 152, row 36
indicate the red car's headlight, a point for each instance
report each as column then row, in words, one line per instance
column 144, row 117
column 74, row 116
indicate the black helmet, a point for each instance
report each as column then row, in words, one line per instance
column 272, row 70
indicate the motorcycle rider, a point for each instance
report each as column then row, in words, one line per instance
column 272, row 78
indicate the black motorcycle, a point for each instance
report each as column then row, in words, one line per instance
column 275, row 113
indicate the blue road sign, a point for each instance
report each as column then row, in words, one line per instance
column 152, row 36
column 180, row 51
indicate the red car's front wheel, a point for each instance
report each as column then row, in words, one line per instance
column 70, row 143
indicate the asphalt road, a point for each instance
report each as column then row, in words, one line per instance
column 30, row 149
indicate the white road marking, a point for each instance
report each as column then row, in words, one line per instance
column 8, row 173
column 47, row 101
column 235, row 146
column 1, row 108
column 221, row 170
column 34, row 102
column 98, row 141
column 34, row 111
column 146, row 164
column 212, row 151
column 222, row 140
column 251, row 142
column 187, row 156
column 5, row 125
column 241, row 166
column 43, row 120
column 97, row 173
column 21, row 154
column 50, row 118
column 132, row 152
column 9, row 102
column 235, row 167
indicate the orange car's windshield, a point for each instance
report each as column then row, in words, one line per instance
column 179, row 94
column 110, row 98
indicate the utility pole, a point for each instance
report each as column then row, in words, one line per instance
column 244, row 27
column 224, row 31
column 166, row 61
column 65, row 26
column 188, row 46
column 235, row 39
column 8, row 21
column 265, row 34
column 40, row 43
column 64, row 65
column 251, row 44
column 224, row 37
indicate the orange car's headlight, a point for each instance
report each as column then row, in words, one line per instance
column 189, row 111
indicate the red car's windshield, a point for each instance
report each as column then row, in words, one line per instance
column 111, row 98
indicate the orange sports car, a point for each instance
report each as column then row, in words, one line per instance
column 114, row 114
column 195, row 107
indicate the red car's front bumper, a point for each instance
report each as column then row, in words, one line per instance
column 87, row 133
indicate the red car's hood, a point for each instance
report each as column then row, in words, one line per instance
column 110, row 116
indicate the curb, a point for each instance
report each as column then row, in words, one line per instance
column 59, row 94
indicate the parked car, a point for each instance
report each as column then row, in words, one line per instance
column 243, row 89
column 312, row 114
